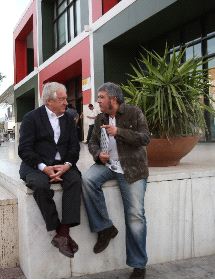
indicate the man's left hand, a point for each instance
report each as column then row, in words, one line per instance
column 111, row 130
column 59, row 171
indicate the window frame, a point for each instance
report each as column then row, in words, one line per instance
column 69, row 5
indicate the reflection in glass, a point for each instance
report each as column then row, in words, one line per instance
column 211, row 45
column 62, row 30
column 189, row 52
column 78, row 16
column 211, row 63
column 72, row 28
column 197, row 50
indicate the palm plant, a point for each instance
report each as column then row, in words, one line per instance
column 170, row 93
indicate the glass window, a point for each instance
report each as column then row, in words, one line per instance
column 72, row 26
column 62, row 32
column 67, row 22
column 211, row 63
column 193, row 51
column 211, row 45
column 61, row 8
column 197, row 50
column 189, row 52
column 59, row 2
column 78, row 16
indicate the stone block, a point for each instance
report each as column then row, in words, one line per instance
column 9, row 255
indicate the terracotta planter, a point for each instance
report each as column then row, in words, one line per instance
column 169, row 152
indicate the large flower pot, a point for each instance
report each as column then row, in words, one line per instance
column 169, row 152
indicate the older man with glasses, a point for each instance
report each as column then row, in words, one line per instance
column 49, row 149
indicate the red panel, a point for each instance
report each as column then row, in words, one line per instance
column 86, row 97
column 66, row 74
column 96, row 9
column 27, row 24
column 26, row 29
column 35, row 38
column 23, row 22
column 20, row 60
column 108, row 4
column 73, row 63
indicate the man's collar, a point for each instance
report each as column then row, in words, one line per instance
column 52, row 114
column 121, row 109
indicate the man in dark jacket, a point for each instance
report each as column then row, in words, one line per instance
column 120, row 155
column 49, row 149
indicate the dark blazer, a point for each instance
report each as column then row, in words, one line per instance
column 37, row 145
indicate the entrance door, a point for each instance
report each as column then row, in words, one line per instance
column 74, row 92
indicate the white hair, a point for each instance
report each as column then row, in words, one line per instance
column 50, row 91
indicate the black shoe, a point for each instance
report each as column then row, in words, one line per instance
column 73, row 245
column 138, row 273
column 62, row 243
column 104, row 238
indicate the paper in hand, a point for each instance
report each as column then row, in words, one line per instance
column 104, row 142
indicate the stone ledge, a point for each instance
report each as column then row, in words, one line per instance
column 6, row 198
column 9, row 255
column 176, row 206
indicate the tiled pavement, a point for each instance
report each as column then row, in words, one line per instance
column 195, row 268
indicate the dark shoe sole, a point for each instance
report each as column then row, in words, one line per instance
column 139, row 275
column 62, row 252
column 114, row 234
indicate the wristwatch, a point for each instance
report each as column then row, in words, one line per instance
column 68, row 163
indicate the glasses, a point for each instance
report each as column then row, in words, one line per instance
column 61, row 99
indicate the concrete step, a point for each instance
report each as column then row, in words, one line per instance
column 8, row 229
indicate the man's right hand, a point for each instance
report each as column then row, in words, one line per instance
column 104, row 157
column 55, row 176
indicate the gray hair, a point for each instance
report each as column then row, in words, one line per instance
column 112, row 90
column 50, row 91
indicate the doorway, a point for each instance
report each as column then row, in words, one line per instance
column 75, row 98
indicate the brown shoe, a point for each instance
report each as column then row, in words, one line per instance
column 138, row 273
column 62, row 243
column 73, row 245
column 104, row 238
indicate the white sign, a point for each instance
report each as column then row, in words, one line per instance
column 86, row 84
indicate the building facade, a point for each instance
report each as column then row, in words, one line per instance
column 7, row 123
column 83, row 43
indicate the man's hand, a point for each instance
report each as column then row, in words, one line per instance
column 55, row 172
column 104, row 157
column 59, row 171
column 53, row 175
column 111, row 130
column 49, row 170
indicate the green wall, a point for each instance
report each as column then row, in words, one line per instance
column 26, row 98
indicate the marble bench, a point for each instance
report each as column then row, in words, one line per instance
column 9, row 256
column 180, row 219
column 39, row 259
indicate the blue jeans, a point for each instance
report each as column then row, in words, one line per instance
column 133, row 202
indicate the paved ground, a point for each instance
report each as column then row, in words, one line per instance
column 196, row 268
